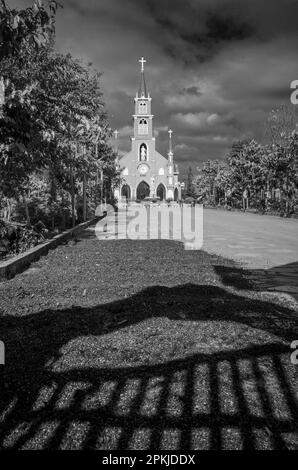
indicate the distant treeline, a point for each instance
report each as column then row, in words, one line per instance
column 253, row 175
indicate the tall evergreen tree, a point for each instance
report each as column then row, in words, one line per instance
column 190, row 187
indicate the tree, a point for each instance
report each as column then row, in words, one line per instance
column 211, row 181
column 268, row 172
column 54, row 120
column 190, row 187
column 34, row 25
column 20, row 30
column 281, row 122
column 245, row 169
column 53, row 111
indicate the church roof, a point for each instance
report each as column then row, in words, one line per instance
column 142, row 88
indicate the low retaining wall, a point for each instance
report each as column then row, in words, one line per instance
column 13, row 266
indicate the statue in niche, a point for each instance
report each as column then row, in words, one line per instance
column 143, row 153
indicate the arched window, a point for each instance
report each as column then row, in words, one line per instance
column 125, row 192
column 143, row 155
column 143, row 108
column 176, row 194
column 161, row 192
column 143, row 190
column 143, row 127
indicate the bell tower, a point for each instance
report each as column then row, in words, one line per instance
column 143, row 140
column 146, row 172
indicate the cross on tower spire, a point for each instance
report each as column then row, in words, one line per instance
column 142, row 62
column 142, row 89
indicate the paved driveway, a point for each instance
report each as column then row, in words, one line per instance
column 257, row 241
column 266, row 245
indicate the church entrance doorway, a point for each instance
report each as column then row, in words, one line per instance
column 143, row 190
column 125, row 192
column 161, row 192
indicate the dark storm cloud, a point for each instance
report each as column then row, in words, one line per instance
column 195, row 30
column 215, row 68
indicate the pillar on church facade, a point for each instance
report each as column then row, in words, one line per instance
column 170, row 193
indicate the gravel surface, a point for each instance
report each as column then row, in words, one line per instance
column 138, row 345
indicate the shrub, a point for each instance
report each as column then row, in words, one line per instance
column 56, row 214
column 15, row 239
column 25, row 238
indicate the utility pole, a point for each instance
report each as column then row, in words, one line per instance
column 2, row 96
column 102, row 195
column 101, row 175
column 84, row 190
column 72, row 189
column 84, row 198
column 97, row 178
column 116, row 133
column 2, row 102
column 96, row 155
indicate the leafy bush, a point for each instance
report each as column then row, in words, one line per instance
column 15, row 239
column 56, row 214
column 26, row 238
column 4, row 239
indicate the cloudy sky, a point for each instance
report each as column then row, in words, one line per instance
column 215, row 68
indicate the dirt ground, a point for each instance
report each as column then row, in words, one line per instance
column 143, row 345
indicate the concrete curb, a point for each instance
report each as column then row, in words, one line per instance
column 13, row 266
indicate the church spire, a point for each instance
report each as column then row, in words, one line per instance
column 170, row 152
column 170, row 141
column 142, row 89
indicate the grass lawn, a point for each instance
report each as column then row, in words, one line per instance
column 143, row 345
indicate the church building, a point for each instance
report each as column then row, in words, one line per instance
column 145, row 172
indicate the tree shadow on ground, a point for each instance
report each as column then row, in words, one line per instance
column 283, row 278
column 221, row 397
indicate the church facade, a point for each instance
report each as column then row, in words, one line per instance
column 145, row 172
